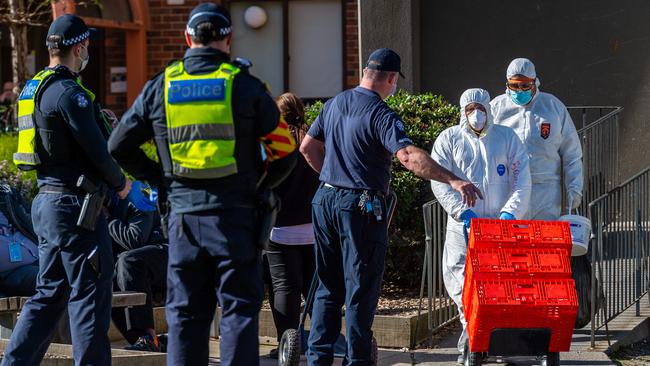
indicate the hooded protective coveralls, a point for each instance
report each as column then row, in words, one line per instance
column 497, row 163
column 546, row 129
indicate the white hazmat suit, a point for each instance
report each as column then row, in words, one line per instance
column 546, row 129
column 497, row 163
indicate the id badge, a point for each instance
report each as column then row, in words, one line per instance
column 15, row 255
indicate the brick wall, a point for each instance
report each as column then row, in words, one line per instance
column 166, row 42
column 114, row 55
column 166, row 39
column 351, row 44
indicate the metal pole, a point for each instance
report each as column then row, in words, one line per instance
column 638, row 253
column 430, row 290
column 594, row 248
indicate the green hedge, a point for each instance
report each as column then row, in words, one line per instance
column 424, row 116
column 24, row 181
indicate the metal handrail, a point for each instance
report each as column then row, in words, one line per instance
column 602, row 119
column 620, row 226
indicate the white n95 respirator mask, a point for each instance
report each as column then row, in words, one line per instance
column 477, row 119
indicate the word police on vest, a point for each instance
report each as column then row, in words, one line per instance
column 29, row 90
column 184, row 91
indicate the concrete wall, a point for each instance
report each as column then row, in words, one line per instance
column 393, row 24
column 592, row 52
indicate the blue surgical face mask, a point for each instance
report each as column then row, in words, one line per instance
column 521, row 97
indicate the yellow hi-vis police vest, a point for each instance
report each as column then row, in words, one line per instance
column 200, row 125
column 26, row 157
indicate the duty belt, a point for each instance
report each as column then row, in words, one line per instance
column 58, row 189
column 359, row 190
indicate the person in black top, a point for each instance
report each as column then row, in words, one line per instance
column 140, row 266
column 213, row 224
column 76, row 264
column 291, row 250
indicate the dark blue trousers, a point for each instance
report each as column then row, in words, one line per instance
column 350, row 253
column 213, row 255
column 66, row 278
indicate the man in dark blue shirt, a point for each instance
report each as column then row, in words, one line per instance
column 351, row 144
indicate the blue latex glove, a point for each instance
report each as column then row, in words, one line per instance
column 506, row 216
column 139, row 198
column 467, row 217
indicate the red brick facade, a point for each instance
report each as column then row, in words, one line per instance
column 166, row 42
column 114, row 56
column 351, row 43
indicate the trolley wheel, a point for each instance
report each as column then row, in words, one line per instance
column 551, row 359
column 374, row 355
column 472, row 358
column 289, row 349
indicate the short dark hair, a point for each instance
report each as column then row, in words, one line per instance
column 61, row 50
column 205, row 33
column 377, row 75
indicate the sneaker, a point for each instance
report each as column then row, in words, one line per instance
column 273, row 354
column 461, row 359
column 146, row 343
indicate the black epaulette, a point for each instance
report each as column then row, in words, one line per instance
column 243, row 64
column 171, row 62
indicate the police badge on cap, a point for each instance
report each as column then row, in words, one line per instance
column 70, row 30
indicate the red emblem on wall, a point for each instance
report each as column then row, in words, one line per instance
column 545, row 130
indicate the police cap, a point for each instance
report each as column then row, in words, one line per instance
column 71, row 30
column 213, row 13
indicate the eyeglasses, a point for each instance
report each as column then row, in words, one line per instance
column 520, row 86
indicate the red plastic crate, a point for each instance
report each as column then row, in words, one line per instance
column 487, row 233
column 521, row 304
column 514, row 263
column 505, row 263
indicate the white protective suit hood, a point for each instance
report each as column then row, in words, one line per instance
column 480, row 96
column 522, row 66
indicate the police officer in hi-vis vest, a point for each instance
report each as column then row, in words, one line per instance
column 210, row 120
column 60, row 136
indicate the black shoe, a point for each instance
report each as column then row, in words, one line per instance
column 146, row 343
column 274, row 354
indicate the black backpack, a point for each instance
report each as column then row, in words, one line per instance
column 17, row 211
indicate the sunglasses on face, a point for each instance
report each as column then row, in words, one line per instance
column 520, row 85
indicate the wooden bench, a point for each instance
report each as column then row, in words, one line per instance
column 10, row 307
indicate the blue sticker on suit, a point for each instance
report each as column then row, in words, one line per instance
column 501, row 169
column 15, row 255
column 202, row 90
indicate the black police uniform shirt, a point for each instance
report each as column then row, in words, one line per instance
column 70, row 142
column 361, row 133
column 255, row 115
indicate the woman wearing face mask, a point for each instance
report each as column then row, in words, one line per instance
column 494, row 159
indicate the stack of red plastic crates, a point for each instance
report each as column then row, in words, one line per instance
column 518, row 275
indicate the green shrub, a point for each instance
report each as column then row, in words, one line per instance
column 23, row 181
column 424, row 116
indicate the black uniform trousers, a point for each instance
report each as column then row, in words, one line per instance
column 140, row 270
column 213, row 255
